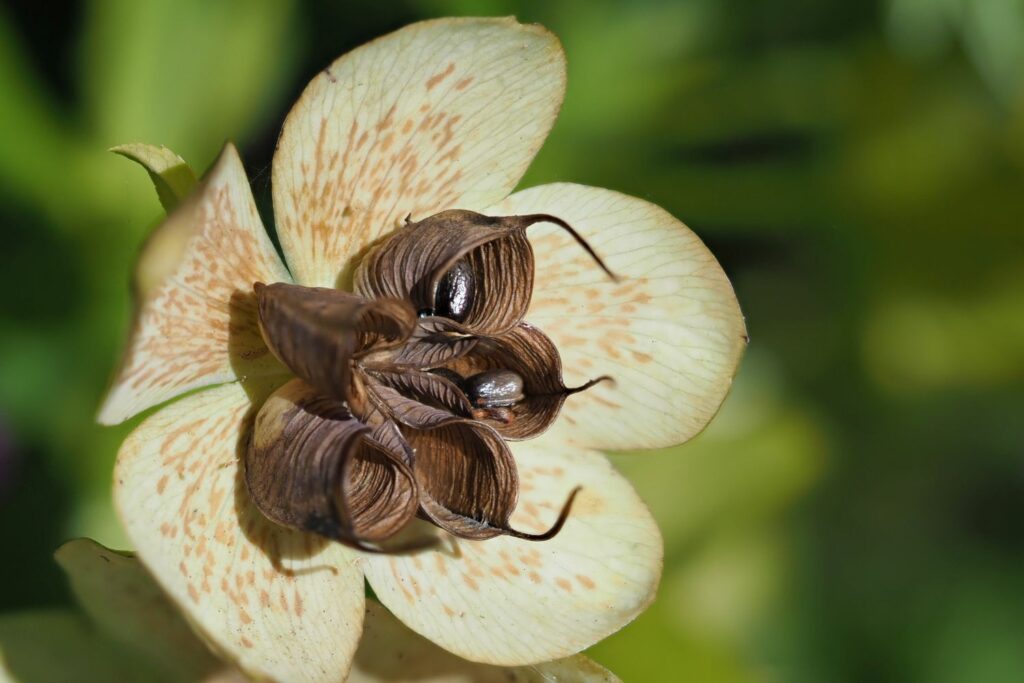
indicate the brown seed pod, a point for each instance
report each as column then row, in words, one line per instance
column 316, row 331
column 481, row 265
column 311, row 465
column 409, row 389
column 528, row 354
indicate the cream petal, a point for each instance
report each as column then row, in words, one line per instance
column 196, row 319
column 440, row 114
column 173, row 179
column 391, row 653
column 278, row 603
column 124, row 602
column 512, row 602
column 670, row 333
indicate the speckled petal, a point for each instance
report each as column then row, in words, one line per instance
column 196, row 318
column 391, row 653
column 440, row 114
column 513, row 602
column 670, row 333
column 278, row 603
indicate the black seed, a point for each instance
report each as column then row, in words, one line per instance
column 455, row 292
column 494, row 389
column 424, row 313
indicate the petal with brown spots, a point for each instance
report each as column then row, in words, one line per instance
column 391, row 653
column 439, row 114
column 513, row 602
column 196, row 319
column 670, row 333
column 280, row 604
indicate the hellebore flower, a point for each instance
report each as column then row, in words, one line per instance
column 409, row 362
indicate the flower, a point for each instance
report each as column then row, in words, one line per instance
column 439, row 115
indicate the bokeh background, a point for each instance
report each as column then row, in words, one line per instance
column 855, row 513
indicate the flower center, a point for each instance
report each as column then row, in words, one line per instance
column 408, row 389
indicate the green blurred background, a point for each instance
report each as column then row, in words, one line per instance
column 856, row 512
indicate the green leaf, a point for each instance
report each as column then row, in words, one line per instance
column 189, row 73
column 44, row 646
column 172, row 177
column 40, row 156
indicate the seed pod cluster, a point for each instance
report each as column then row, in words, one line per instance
column 408, row 389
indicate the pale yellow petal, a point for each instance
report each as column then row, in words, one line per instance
column 277, row 603
column 196, row 324
column 670, row 333
column 437, row 115
column 513, row 602
column 122, row 599
column 391, row 653
column 173, row 179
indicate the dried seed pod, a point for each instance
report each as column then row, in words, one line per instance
column 454, row 296
column 527, row 352
column 312, row 466
column 473, row 269
column 412, row 386
column 494, row 388
column 316, row 332
column 468, row 482
column 450, row 375
column 434, row 342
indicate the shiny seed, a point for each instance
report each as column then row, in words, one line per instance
column 494, row 389
column 455, row 292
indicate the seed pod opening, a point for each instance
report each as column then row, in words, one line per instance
column 526, row 357
column 311, row 465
